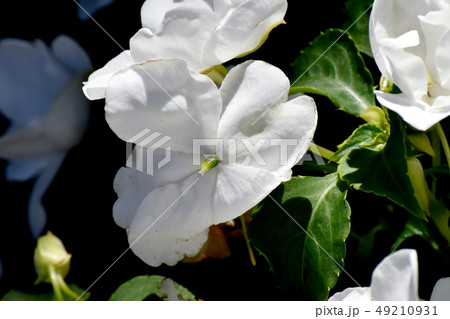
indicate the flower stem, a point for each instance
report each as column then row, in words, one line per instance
column 249, row 247
column 436, row 160
column 444, row 142
column 319, row 150
column 55, row 283
column 66, row 289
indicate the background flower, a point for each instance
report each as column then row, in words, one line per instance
column 40, row 96
column 414, row 55
column 90, row 6
column 395, row 279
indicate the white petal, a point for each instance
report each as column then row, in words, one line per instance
column 154, row 11
column 37, row 216
column 223, row 6
column 243, row 30
column 406, row 70
column 352, row 294
column 270, row 132
column 396, row 277
column 31, row 77
column 442, row 59
column 71, row 55
column 182, row 36
column 132, row 185
column 165, row 97
column 416, row 113
column 172, row 222
column 239, row 188
column 95, row 87
column 91, row 6
column 393, row 18
column 441, row 291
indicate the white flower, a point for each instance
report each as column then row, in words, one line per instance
column 203, row 33
column 40, row 95
column 410, row 41
column 168, row 214
column 395, row 279
column 90, row 6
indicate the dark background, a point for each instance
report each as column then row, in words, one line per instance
column 79, row 201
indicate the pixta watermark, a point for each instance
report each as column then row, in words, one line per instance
column 149, row 151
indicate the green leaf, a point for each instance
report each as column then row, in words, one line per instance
column 306, row 264
column 358, row 23
column 141, row 287
column 332, row 66
column 15, row 295
column 365, row 136
column 416, row 227
column 383, row 172
column 366, row 242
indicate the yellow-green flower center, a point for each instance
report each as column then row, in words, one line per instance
column 209, row 163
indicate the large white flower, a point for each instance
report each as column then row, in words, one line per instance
column 395, row 279
column 410, row 41
column 204, row 33
column 40, row 95
column 168, row 214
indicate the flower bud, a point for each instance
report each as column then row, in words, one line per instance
column 374, row 115
column 422, row 143
column 50, row 253
column 417, row 177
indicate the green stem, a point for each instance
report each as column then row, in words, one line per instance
column 249, row 247
column 319, row 150
column 444, row 142
column 55, row 283
column 66, row 289
column 436, row 160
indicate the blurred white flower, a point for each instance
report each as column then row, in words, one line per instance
column 90, row 6
column 168, row 214
column 395, row 279
column 410, row 41
column 40, row 94
column 204, row 33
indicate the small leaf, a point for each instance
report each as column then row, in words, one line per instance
column 141, row 287
column 332, row 66
column 306, row 265
column 383, row 172
column 15, row 295
column 415, row 227
column 358, row 12
column 365, row 136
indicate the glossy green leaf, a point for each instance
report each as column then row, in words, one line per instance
column 332, row 66
column 141, row 287
column 15, row 295
column 301, row 230
column 358, row 12
column 365, row 136
column 383, row 172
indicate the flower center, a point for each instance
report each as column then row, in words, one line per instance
column 429, row 80
column 209, row 163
